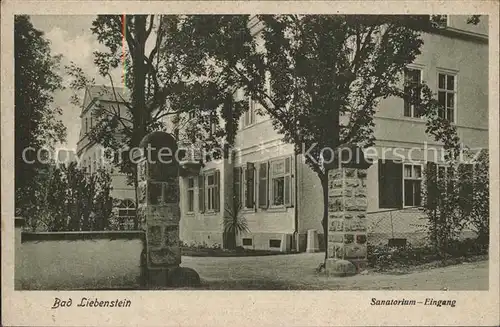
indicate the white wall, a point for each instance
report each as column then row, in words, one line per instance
column 78, row 264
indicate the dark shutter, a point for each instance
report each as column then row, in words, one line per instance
column 217, row 190
column 432, row 196
column 201, row 193
column 250, row 177
column 390, row 184
column 263, row 185
column 237, row 186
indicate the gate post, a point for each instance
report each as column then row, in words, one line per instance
column 159, row 211
column 347, row 206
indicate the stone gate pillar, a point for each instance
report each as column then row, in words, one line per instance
column 158, row 204
column 347, row 206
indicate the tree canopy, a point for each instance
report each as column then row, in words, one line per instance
column 36, row 119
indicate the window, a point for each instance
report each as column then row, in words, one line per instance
column 447, row 96
column 126, row 214
column 86, row 125
column 439, row 21
column 212, row 191
column 249, row 116
column 190, row 194
column 274, row 243
column 247, row 242
column 281, row 182
column 412, row 179
column 413, row 78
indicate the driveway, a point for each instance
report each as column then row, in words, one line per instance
column 297, row 272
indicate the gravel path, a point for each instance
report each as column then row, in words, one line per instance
column 297, row 272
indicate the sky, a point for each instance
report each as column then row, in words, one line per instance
column 71, row 37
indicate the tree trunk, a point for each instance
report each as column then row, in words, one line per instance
column 324, row 222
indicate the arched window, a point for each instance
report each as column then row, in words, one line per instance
column 126, row 214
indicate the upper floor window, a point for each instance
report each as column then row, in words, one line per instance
column 447, row 95
column 439, row 21
column 413, row 79
column 249, row 116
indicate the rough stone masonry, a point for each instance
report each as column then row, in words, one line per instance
column 347, row 205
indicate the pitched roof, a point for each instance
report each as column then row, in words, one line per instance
column 105, row 93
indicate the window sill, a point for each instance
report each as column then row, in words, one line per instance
column 414, row 119
column 210, row 213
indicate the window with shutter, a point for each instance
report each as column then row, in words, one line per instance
column 390, row 181
column 201, row 193
column 263, row 185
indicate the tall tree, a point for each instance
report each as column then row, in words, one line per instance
column 320, row 78
column 147, row 47
column 36, row 119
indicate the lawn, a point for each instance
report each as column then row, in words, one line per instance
column 297, row 272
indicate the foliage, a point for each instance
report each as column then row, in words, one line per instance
column 383, row 257
column 319, row 78
column 457, row 197
column 37, row 122
column 480, row 213
column 73, row 200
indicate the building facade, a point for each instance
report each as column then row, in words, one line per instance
column 281, row 197
column 98, row 102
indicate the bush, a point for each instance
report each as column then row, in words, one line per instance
column 457, row 197
column 383, row 257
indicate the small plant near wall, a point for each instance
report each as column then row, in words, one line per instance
column 234, row 224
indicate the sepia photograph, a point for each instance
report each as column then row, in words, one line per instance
column 251, row 152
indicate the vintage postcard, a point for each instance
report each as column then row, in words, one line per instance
column 249, row 163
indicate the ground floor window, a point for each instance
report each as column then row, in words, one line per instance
column 209, row 187
column 126, row 214
column 412, row 179
column 281, row 182
column 190, row 194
